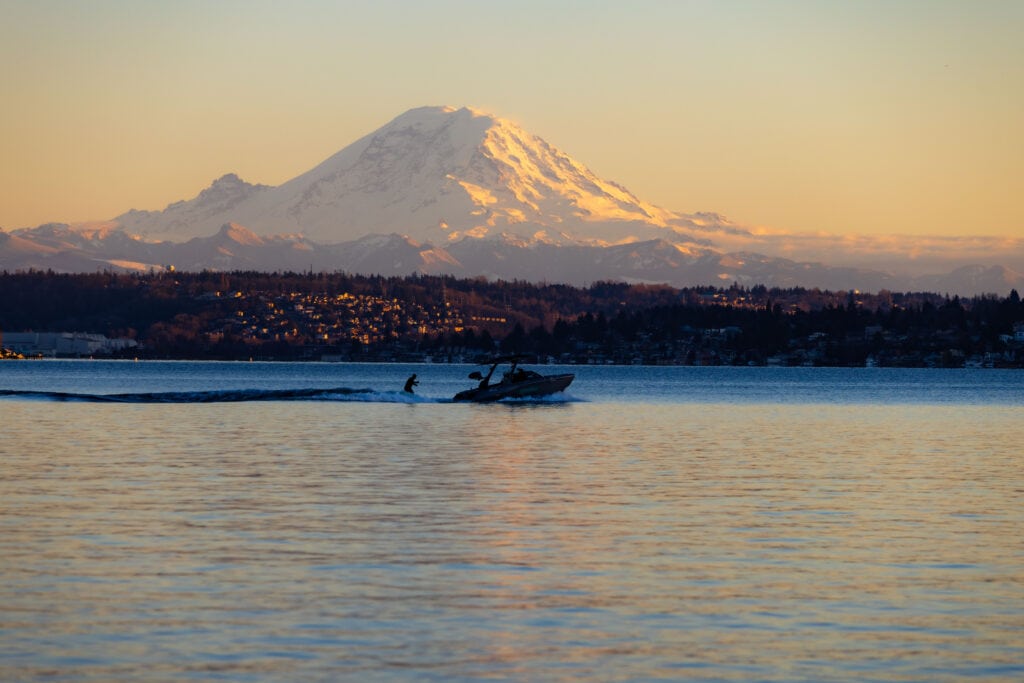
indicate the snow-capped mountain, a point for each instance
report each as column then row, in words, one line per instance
column 435, row 174
column 445, row 190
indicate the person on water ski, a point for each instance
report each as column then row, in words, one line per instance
column 410, row 383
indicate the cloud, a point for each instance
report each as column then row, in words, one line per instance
column 899, row 253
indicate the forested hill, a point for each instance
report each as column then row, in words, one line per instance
column 339, row 316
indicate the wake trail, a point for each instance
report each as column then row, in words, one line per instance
column 336, row 394
column 215, row 396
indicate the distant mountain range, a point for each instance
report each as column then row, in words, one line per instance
column 443, row 190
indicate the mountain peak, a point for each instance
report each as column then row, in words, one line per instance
column 229, row 179
column 439, row 174
column 436, row 114
column 228, row 189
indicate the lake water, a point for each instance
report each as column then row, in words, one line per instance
column 230, row 521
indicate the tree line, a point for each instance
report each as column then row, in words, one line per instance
column 195, row 315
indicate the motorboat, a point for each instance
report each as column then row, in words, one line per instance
column 516, row 382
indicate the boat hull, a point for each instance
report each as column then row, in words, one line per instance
column 535, row 387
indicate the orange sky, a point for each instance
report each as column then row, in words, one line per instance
column 847, row 117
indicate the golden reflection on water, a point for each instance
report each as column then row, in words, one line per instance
column 317, row 540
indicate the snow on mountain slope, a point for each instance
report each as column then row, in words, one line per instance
column 435, row 174
column 198, row 217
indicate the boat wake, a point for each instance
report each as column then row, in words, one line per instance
column 344, row 394
column 217, row 396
